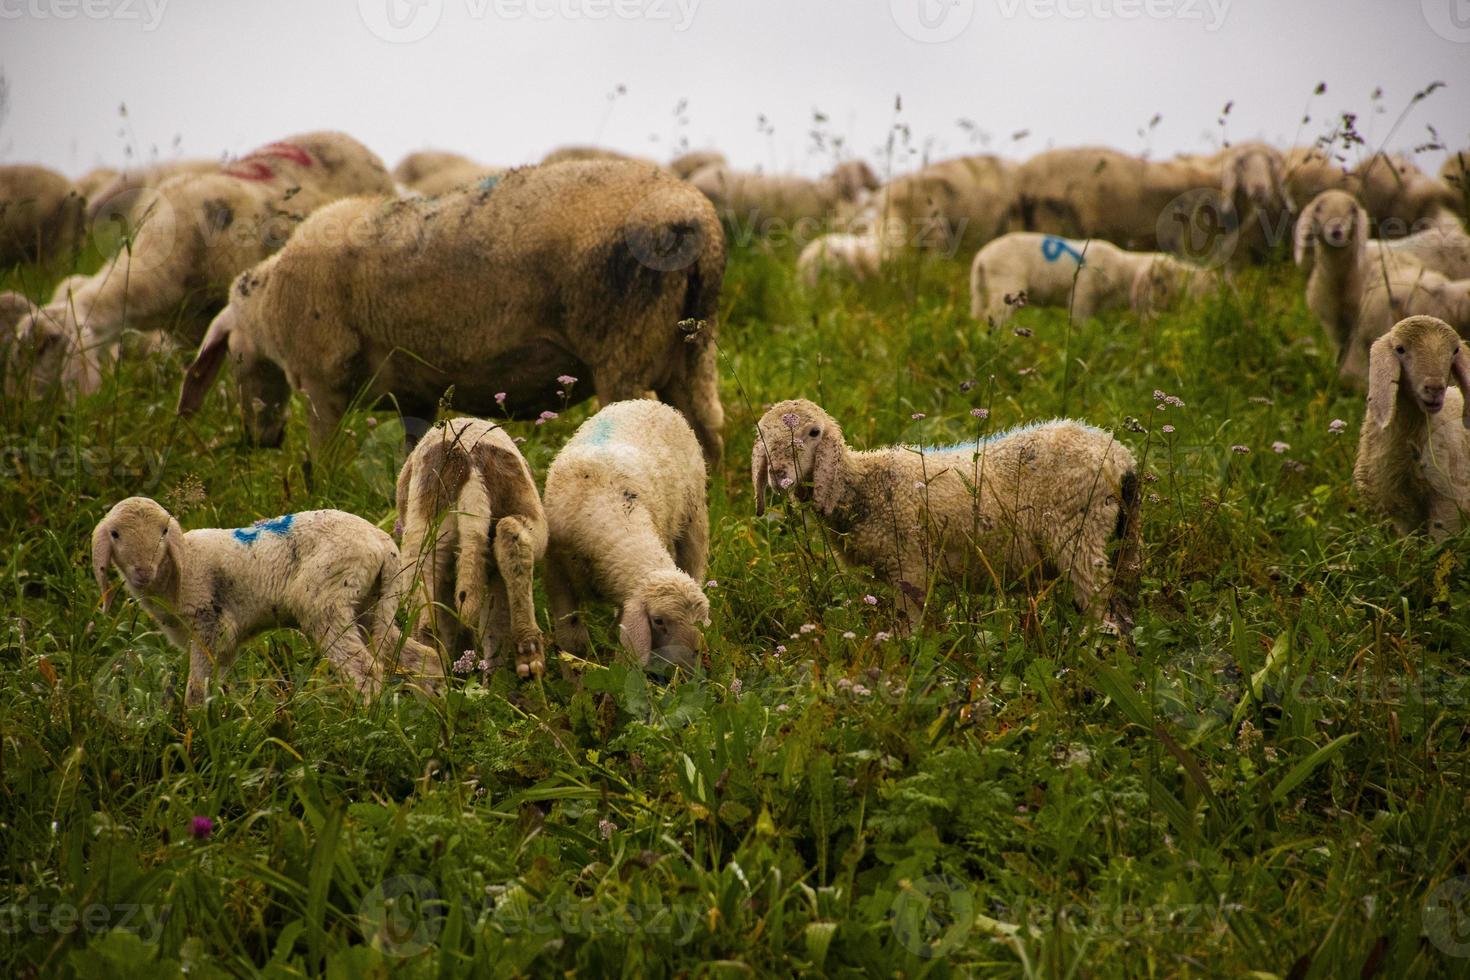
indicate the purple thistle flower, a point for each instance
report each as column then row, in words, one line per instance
column 465, row 663
column 201, row 827
column 791, row 420
column 565, row 379
column 500, row 398
column 871, row 600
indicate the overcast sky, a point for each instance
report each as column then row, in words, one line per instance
column 505, row 80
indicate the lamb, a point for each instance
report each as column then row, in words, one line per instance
column 1414, row 452
column 686, row 165
column 1088, row 278
column 1050, row 497
column 1359, row 288
column 40, row 215
column 858, row 257
column 494, row 536
column 117, row 198
column 761, row 204
column 1310, row 170
column 329, row 574
column 625, row 499
column 599, row 271
column 200, row 231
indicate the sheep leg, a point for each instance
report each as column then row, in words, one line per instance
column 204, row 652
column 705, row 413
column 571, row 632
column 336, row 631
column 325, row 408
column 515, row 556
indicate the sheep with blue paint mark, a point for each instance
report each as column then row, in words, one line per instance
column 330, row 574
column 625, row 499
column 1047, row 498
column 1026, row 268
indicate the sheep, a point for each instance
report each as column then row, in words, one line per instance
column 432, row 172
column 200, row 232
column 1401, row 198
column 1455, row 172
column 1049, row 497
column 1086, row 277
column 601, row 271
column 1359, row 288
column 564, row 154
column 91, row 183
column 625, row 499
column 1414, row 452
column 329, row 574
column 857, row 257
column 761, row 204
column 1310, row 170
column 494, row 537
column 686, row 165
column 40, row 215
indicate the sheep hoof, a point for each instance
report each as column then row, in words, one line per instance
column 530, row 660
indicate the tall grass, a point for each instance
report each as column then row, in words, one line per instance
column 1274, row 778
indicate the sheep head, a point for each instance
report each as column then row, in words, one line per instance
column 664, row 618
column 1255, row 170
column 146, row 544
column 852, row 179
column 1163, row 282
column 1333, row 220
column 48, row 350
column 264, row 392
column 798, row 447
column 1417, row 359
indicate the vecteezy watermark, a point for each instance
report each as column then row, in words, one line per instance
column 932, row 21
column 1450, row 19
column 147, row 12
column 1446, row 916
column 40, row 918
column 1211, row 12
column 403, row 916
column 407, row 21
column 933, row 915
column 1200, row 225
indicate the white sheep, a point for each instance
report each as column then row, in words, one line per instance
column 625, row 499
column 854, row 256
column 1414, row 451
column 782, row 204
column 329, row 574
column 467, row 499
column 41, row 214
column 686, row 165
column 1358, row 288
column 1044, row 497
column 1086, row 277
column 433, row 172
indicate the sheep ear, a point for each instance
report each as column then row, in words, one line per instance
column 1461, row 373
column 1229, row 184
column 1278, row 177
column 1383, row 379
column 1302, row 241
column 102, row 561
column 636, row 631
column 174, row 548
column 201, row 374
column 760, row 468
column 825, row 482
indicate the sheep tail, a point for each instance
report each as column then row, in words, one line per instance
column 1128, row 558
column 473, row 524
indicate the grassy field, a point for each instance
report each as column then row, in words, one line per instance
column 1274, row 780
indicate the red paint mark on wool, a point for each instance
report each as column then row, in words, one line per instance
column 254, row 165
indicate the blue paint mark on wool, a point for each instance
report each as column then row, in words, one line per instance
column 1052, row 248
column 276, row 525
column 1006, row 434
column 488, row 183
column 597, row 431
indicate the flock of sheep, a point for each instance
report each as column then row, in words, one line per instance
column 310, row 268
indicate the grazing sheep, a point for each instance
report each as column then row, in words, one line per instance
column 1088, row 278
column 580, row 269
column 1358, row 288
column 565, row 154
column 1044, row 497
column 329, row 574
column 433, row 172
column 857, row 257
column 625, row 499
column 40, row 215
column 199, row 232
column 1455, row 172
column 1414, row 452
column 1402, row 199
column 91, row 183
column 761, row 204
column 688, row 164
column 1310, row 170
column 466, row 497
column 1253, row 184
